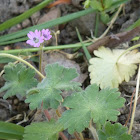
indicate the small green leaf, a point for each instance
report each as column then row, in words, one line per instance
column 115, row 4
column 11, row 131
column 43, row 131
column 96, row 5
column 87, row 3
column 136, row 38
column 19, row 79
column 108, row 3
column 58, row 78
column 91, row 104
column 104, row 17
column 114, row 132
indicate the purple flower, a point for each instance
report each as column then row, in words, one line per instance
column 35, row 38
column 46, row 34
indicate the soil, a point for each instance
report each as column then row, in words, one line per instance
column 14, row 109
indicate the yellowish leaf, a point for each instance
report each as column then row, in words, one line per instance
column 105, row 71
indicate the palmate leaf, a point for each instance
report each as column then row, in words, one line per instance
column 49, row 90
column 19, row 79
column 107, row 72
column 91, row 104
column 42, row 131
column 114, row 132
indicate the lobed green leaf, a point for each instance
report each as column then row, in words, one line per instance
column 43, row 131
column 19, row 79
column 58, row 79
column 114, row 132
column 91, row 104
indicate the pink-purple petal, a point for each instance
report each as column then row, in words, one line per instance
column 37, row 32
column 30, row 42
column 35, row 38
column 32, row 33
column 30, row 36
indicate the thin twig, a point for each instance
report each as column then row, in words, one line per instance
column 112, row 21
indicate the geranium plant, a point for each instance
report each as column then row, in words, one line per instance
column 90, row 108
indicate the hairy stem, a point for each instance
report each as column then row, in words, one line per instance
column 40, row 60
column 23, row 61
column 93, row 132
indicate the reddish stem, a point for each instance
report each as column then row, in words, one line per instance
column 102, row 4
column 61, row 134
column 59, row 2
column 76, row 136
column 130, row 109
column 47, row 114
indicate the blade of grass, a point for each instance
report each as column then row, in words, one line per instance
column 48, row 24
column 14, row 41
column 116, row 4
column 88, row 56
column 97, row 24
column 11, row 22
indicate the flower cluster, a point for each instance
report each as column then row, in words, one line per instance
column 38, row 37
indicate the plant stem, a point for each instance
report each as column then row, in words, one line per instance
column 135, row 102
column 130, row 108
column 21, row 60
column 93, row 132
column 77, row 45
column 63, row 136
column 40, row 59
column 112, row 21
column 102, row 4
column 76, row 136
column 47, row 114
column 81, row 136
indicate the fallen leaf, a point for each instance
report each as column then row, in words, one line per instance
column 107, row 72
